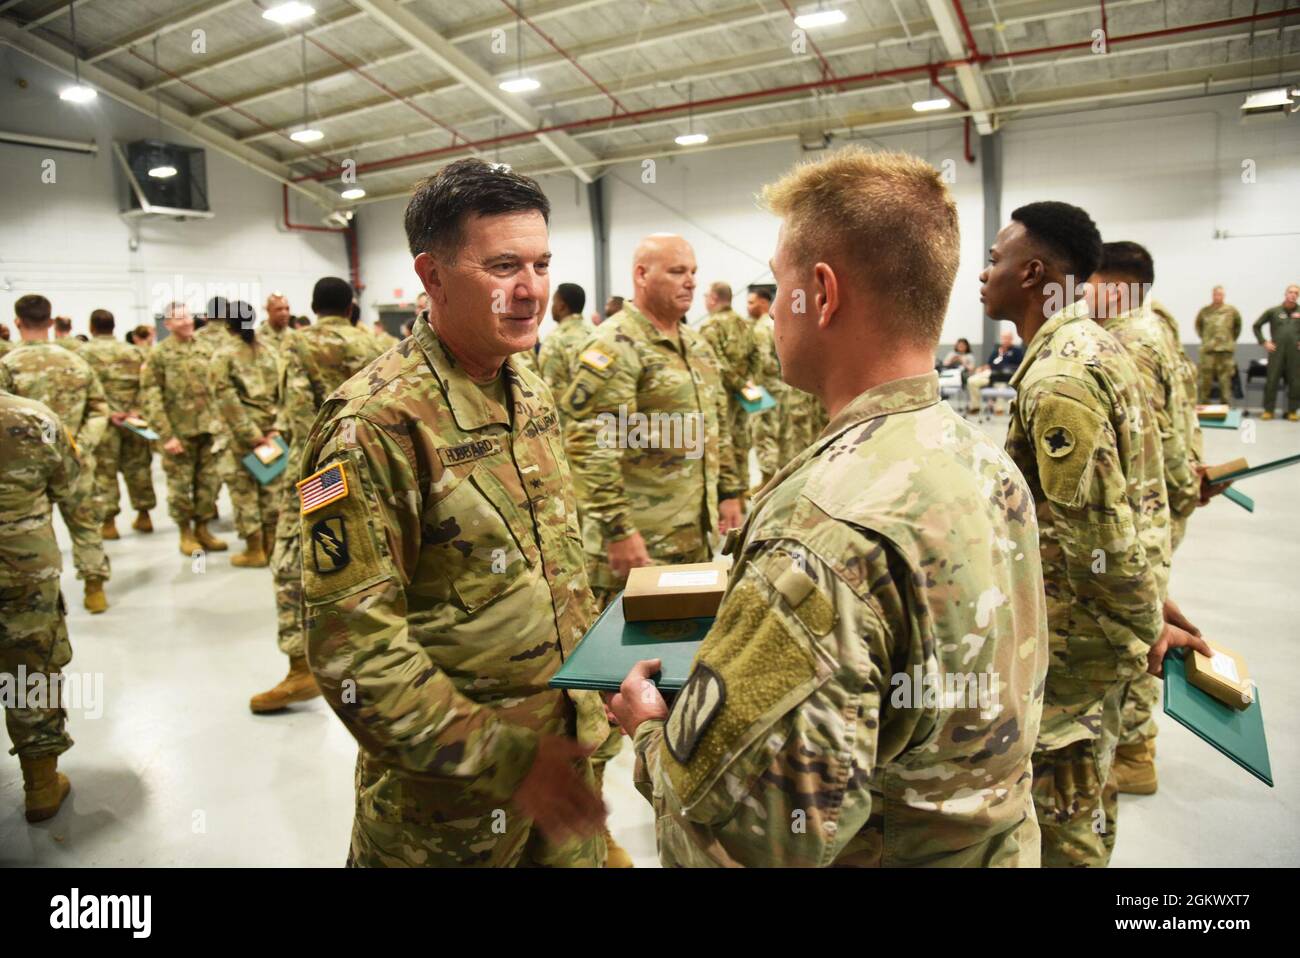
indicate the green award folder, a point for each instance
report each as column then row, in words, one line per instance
column 1231, row 421
column 762, row 404
column 1240, row 498
column 1256, row 470
column 265, row 472
column 1237, row 734
column 613, row 645
column 144, row 432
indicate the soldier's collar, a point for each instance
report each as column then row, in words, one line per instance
column 332, row 321
column 887, row 399
column 470, row 407
column 1067, row 314
column 653, row 331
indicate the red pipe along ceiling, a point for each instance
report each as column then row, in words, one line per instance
column 349, row 238
column 974, row 59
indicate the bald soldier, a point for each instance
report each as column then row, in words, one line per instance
column 117, row 364
column 1082, row 432
column 896, row 553
column 275, row 332
column 314, row 364
column 442, row 564
column 741, row 362
column 65, row 382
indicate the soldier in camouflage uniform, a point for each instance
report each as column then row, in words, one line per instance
column 38, row 467
column 559, row 353
column 315, row 362
column 1193, row 438
column 655, row 494
column 276, row 331
column 1283, row 345
column 765, row 428
column 66, row 383
column 740, row 361
column 178, row 405
column 117, row 364
column 244, row 378
column 895, row 553
column 442, row 565
column 5, row 344
column 1082, row 434
column 63, row 334
column 1219, row 326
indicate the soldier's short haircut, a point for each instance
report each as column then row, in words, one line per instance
column 616, row 304
column 762, row 292
column 33, row 309
column 63, row 324
column 436, row 213
column 1065, row 232
column 886, row 216
column 1127, row 260
column 721, row 291
column 331, row 296
column 101, row 321
column 141, row 332
column 573, row 296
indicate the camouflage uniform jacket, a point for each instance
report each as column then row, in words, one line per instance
column 117, row 364
column 659, row 485
column 245, row 381
column 898, row 553
column 1219, row 328
column 559, row 352
column 212, row 336
column 1080, row 433
column 275, row 338
column 446, row 585
column 174, row 386
column 1191, row 425
column 38, row 466
column 1161, row 371
column 63, row 381
column 70, row 343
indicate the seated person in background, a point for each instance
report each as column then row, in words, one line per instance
column 1002, row 365
column 960, row 355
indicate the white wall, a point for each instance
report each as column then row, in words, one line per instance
column 65, row 239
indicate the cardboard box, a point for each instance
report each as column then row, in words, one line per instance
column 1226, row 468
column 690, row 591
column 1225, row 677
column 1212, row 411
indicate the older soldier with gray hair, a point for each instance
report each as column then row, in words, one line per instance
column 870, row 691
column 442, row 563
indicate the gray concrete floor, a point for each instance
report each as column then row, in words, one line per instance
column 176, row 771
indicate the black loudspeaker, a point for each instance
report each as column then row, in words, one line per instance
column 184, row 189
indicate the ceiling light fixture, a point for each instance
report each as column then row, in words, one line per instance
column 690, row 137
column 1267, row 101
column 519, row 83
column 819, row 18
column 290, row 12
column 353, row 193
column 78, row 92
column 164, row 172
column 928, row 106
column 306, row 133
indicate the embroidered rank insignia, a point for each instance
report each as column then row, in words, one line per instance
column 595, row 360
column 1058, row 442
column 696, row 706
column 329, row 545
column 321, row 488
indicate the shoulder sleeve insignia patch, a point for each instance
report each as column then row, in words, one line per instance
column 1058, row 441
column 321, row 488
column 597, row 361
column 703, row 695
column 329, row 544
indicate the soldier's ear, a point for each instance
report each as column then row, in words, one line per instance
column 429, row 269
column 1035, row 274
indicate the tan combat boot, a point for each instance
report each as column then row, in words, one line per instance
column 254, row 555
column 616, row 855
column 1134, row 768
column 298, row 686
column 96, row 602
column 1266, row 414
column 45, row 787
column 206, row 539
column 142, row 521
column 109, row 529
column 189, row 544
column 1292, row 417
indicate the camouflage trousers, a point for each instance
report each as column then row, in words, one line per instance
column 124, row 452
column 1216, row 367
column 81, row 516
column 1138, row 723
column 33, row 635
column 257, row 506
column 193, row 480
column 741, row 442
column 1077, row 809
column 765, row 433
column 286, row 572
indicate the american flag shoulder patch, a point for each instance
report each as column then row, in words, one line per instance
column 323, row 487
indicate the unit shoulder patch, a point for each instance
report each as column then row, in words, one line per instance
column 703, row 695
column 1058, row 441
column 329, row 544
